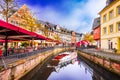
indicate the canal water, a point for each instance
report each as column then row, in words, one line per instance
column 75, row 69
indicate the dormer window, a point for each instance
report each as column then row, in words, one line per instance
column 109, row 2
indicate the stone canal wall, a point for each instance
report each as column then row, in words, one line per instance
column 108, row 64
column 22, row 67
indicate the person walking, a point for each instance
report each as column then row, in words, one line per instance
column 3, row 51
column 0, row 51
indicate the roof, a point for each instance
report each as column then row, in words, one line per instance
column 108, row 4
column 23, row 8
column 80, row 34
column 46, row 23
column 96, row 23
column 50, row 25
column 40, row 21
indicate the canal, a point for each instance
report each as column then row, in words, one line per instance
column 75, row 68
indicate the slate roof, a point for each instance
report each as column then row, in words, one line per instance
column 50, row 24
column 40, row 21
column 96, row 23
column 108, row 2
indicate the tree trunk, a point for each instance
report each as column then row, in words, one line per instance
column 6, row 12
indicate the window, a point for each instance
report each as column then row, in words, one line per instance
column 16, row 22
column 118, row 9
column 17, row 15
column 118, row 26
column 104, row 30
column 104, row 18
column 111, row 28
column 12, row 21
column 111, row 14
column 95, row 32
column 22, row 17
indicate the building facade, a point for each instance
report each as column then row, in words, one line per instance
column 73, row 38
column 78, row 37
column 23, row 18
column 110, row 25
column 96, row 32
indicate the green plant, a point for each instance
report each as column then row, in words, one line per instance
column 1, row 68
column 24, row 44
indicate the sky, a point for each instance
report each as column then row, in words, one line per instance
column 76, row 15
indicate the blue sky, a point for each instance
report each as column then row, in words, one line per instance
column 74, row 15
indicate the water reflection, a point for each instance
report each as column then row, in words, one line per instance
column 74, row 69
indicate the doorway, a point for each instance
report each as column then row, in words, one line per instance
column 110, row 44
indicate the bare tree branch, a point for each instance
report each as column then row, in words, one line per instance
column 7, row 8
column 1, row 4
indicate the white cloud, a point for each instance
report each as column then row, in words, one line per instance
column 79, row 19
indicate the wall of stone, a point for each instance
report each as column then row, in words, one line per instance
column 22, row 67
column 102, row 61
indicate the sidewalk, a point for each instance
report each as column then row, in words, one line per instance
column 113, row 56
column 11, row 59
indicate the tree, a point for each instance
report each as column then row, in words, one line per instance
column 56, row 37
column 88, row 37
column 31, row 23
column 7, row 8
column 24, row 44
column 40, row 27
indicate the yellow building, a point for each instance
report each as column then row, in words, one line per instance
column 110, row 25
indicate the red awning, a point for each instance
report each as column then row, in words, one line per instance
column 16, row 33
column 49, row 40
column 39, row 37
column 82, row 42
column 6, row 25
column 52, row 40
column 3, row 41
column 57, row 41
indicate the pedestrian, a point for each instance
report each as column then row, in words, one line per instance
column 38, row 48
column 0, row 51
column 115, row 50
column 3, row 51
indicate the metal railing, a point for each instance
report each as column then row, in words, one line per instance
column 106, row 55
column 5, row 60
column 109, row 61
column 9, row 59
